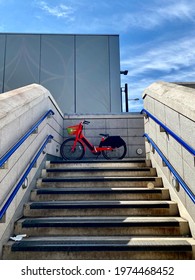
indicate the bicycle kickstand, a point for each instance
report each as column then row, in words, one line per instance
column 98, row 155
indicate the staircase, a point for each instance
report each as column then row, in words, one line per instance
column 100, row 210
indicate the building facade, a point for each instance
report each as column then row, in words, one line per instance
column 82, row 72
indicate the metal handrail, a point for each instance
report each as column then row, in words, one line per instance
column 173, row 171
column 21, row 181
column 169, row 131
column 10, row 152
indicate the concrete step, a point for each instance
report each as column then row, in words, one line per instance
column 105, row 247
column 43, row 194
column 99, row 163
column 103, row 226
column 100, row 208
column 98, row 171
column 99, row 181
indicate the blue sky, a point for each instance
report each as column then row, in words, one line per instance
column 157, row 39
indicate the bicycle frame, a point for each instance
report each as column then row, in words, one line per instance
column 81, row 137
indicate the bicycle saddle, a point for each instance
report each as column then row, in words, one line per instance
column 104, row 135
column 86, row 122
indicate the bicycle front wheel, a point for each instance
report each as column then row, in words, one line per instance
column 116, row 153
column 69, row 154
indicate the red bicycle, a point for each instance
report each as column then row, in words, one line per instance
column 111, row 147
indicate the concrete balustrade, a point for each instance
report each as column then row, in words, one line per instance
column 20, row 109
column 174, row 106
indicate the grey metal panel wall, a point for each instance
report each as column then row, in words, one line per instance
column 114, row 58
column 57, row 69
column 22, row 61
column 82, row 72
column 92, row 72
column 2, row 57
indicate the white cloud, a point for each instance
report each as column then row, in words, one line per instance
column 150, row 16
column 59, row 11
column 171, row 61
column 106, row 17
column 181, row 10
column 165, row 57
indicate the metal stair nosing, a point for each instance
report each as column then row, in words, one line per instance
column 88, row 193
column 100, row 248
column 102, row 163
column 93, row 181
column 102, row 208
column 159, row 226
column 99, row 171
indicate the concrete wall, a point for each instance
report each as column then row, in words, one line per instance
column 174, row 106
column 19, row 110
column 74, row 68
column 129, row 126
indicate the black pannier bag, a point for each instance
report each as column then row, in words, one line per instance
column 113, row 141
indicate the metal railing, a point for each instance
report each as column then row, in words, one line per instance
column 10, row 152
column 170, row 132
column 173, row 171
column 23, row 178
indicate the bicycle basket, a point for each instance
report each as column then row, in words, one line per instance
column 72, row 130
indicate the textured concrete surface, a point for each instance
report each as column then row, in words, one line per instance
column 20, row 109
column 174, row 106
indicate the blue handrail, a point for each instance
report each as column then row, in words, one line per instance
column 173, row 171
column 169, row 131
column 9, row 153
column 16, row 189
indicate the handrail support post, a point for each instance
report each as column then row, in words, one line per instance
column 51, row 113
column 162, row 129
column 164, row 163
column 35, row 131
column 145, row 115
column 5, row 165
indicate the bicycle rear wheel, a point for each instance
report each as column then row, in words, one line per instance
column 66, row 150
column 116, row 153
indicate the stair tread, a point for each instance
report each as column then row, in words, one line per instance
column 104, row 202
column 95, row 169
column 98, row 161
column 109, row 218
column 115, row 238
column 104, row 243
column 98, row 178
column 101, row 221
column 97, row 204
column 97, row 190
column 106, row 218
